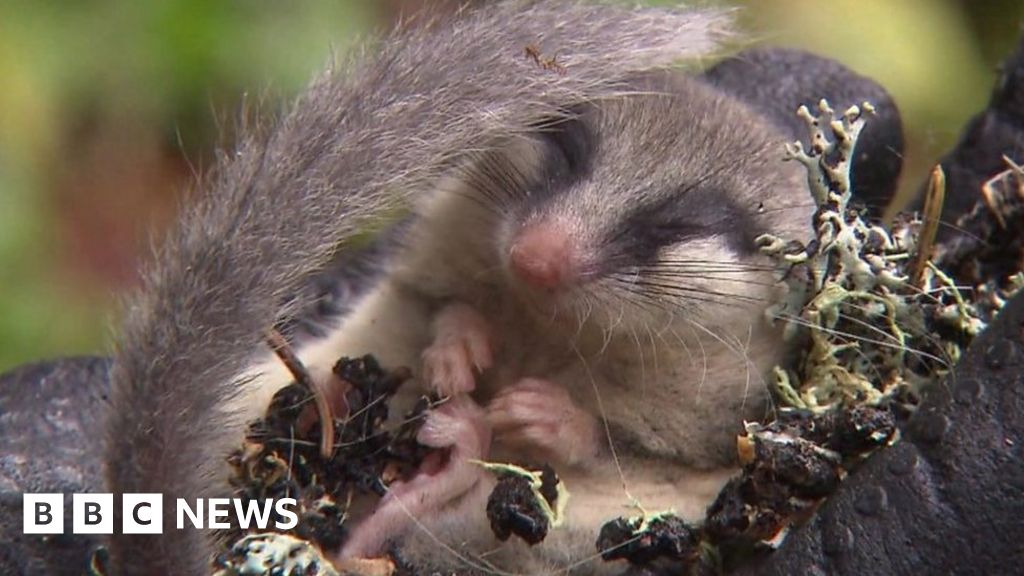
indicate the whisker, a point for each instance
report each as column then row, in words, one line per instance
column 703, row 276
column 484, row 566
column 640, row 353
column 587, row 559
column 604, row 420
column 839, row 333
column 729, row 264
column 683, row 290
column 633, row 290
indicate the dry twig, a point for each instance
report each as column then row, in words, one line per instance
column 303, row 378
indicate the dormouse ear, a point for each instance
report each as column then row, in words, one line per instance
column 777, row 81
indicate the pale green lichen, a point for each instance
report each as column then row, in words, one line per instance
column 272, row 553
column 873, row 334
column 828, row 163
column 646, row 518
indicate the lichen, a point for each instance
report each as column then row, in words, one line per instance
column 877, row 329
column 272, row 553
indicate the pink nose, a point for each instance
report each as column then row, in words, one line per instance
column 542, row 255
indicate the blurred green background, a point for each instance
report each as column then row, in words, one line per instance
column 107, row 107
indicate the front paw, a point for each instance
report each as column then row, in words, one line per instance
column 459, row 424
column 442, row 482
column 540, row 417
column 461, row 348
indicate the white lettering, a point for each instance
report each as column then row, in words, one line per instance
column 218, row 509
column 280, row 507
column 185, row 510
column 252, row 510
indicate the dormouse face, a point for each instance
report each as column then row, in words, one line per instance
column 644, row 209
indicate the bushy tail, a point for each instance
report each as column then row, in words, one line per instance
column 363, row 139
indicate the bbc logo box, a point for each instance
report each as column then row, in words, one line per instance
column 92, row 514
column 144, row 513
column 43, row 513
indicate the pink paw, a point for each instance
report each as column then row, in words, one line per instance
column 536, row 415
column 459, row 425
column 462, row 345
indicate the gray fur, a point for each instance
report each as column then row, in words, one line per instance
column 364, row 139
column 671, row 156
column 670, row 355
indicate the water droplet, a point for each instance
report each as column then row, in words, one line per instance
column 836, row 540
column 815, row 570
column 967, row 391
column 872, row 501
column 931, row 427
column 904, row 461
column 999, row 354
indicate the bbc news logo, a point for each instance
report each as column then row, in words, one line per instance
column 143, row 513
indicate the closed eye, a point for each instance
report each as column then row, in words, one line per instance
column 574, row 145
column 640, row 239
column 659, row 235
column 694, row 211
